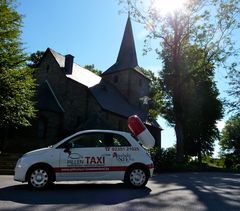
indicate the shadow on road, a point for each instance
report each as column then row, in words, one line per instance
column 175, row 191
column 106, row 194
column 208, row 191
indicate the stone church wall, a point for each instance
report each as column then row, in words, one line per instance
column 131, row 84
column 75, row 104
column 138, row 87
column 49, row 70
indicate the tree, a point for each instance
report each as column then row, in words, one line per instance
column 34, row 59
column 208, row 24
column 16, row 83
column 234, row 91
column 201, row 107
column 230, row 139
column 155, row 94
column 92, row 68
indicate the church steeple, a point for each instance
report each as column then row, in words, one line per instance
column 125, row 74
column 127, row 57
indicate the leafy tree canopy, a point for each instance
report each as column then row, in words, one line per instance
column 230, row 139
column 233, row 103
column 16, row 83
column 155, row 94
column 199, row 101
column 92, row 68
column 34, row 58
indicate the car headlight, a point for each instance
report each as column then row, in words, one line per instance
column 20, row 162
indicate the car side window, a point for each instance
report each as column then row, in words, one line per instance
column 86, row 140
column 90, row 140
column 115, row 140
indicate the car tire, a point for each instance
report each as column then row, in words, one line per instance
column 137, row 176
column 39, row 177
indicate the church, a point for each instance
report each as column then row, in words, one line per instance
column 71, row 98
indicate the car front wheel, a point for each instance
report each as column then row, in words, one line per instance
column 39, row 178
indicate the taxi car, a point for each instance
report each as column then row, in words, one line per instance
column 87, row 155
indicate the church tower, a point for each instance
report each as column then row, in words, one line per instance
column 125, row 74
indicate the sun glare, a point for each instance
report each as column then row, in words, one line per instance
column 168, row 6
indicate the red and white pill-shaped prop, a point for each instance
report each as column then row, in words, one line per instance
column 137, row 127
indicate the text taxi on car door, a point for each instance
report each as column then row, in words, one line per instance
column 91, row 155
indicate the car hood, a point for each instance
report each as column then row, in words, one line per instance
column 38, row 151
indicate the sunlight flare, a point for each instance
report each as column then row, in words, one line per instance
column 168, row 6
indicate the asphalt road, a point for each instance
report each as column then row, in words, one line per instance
column 180, row 191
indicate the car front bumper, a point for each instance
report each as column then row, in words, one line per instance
column 20, row 171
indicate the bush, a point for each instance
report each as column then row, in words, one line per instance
column 228, row 162
column 231, row 162
column 237, row 167
column 163, row 159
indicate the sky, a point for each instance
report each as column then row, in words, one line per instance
column 92, row 31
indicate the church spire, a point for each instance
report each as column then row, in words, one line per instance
column 127, row 57
column 127, row 54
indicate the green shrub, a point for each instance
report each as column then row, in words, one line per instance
column 163, row 159
column 237, row 167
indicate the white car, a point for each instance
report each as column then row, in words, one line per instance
column 87, row 155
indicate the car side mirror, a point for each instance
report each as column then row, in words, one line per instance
column 68, row 147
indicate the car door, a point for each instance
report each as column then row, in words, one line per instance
column 122, row 152
column 84, row 157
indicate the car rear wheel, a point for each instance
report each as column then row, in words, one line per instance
column 39, row 178
column 137, row 177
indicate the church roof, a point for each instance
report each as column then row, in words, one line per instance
column 79, row 74
column 84, row 76
column 127, row 57
column 111, row 99
column 106, row 94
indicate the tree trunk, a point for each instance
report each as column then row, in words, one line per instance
column 180, row 143
column 178, row 113
column 177, row 95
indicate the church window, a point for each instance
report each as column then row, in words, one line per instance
column 115, row 79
